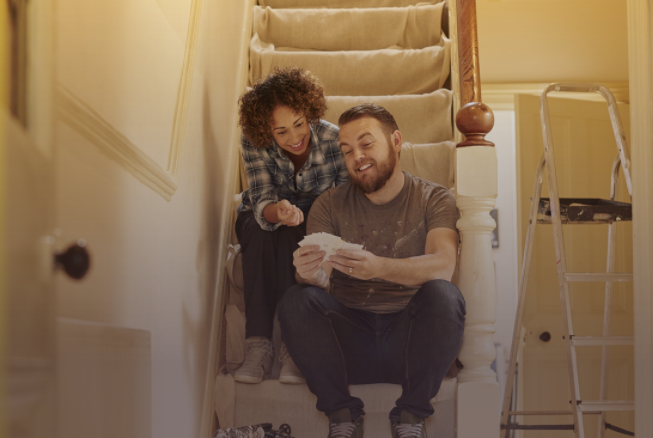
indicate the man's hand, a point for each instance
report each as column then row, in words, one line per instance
column 359, row 264
column 288, row 214
column 307, row 262
column 438, row 261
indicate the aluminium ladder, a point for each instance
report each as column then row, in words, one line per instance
column 556, row 211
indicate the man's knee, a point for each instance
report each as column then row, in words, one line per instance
column 440, row 295
column 298, row 300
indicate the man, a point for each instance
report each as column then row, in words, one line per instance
column 391, row 314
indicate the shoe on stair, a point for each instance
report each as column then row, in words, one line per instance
column 258, row 360
column 409, row 426
column 342, row 426
column 289, row 372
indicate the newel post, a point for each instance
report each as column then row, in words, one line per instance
column 476, row 191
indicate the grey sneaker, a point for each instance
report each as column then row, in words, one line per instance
column 289, row 372
column 258, row 361
column 410, row 426
column 342, row 426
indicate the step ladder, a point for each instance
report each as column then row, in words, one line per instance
column 556, row 211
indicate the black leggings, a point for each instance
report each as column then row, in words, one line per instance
column 268, row 271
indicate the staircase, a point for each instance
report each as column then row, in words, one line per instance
column 397, row 54
column 394, row 54
column 387, row 52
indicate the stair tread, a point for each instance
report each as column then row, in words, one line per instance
column 415, row 114
column 411, row 27
column 360, row 73
column 273, row 402
column 342, row 3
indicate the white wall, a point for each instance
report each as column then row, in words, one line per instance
column 505, row 256
column 156, row 264
column 552, row 40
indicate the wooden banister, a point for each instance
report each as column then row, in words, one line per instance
column 468, row 67
column 474, row 119
column 476, row 192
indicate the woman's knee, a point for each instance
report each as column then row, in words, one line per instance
column 293, row 235
column 250, row 234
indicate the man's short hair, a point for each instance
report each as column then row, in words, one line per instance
column 379, row 113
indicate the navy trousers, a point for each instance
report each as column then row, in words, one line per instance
column 268, row 271
column 335, row 346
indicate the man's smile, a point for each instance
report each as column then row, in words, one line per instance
column 365, row 167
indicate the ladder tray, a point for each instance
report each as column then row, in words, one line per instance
column 586, row 210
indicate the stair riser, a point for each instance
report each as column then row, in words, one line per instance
column 414, row 27
column 361, row 73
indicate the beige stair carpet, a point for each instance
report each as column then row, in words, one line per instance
column 360, row 72
column 432, row 162
column 422, row 118
column 411, row 27
column 342, row 3
column 273, row 400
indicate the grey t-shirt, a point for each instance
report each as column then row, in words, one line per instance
column 396, row 230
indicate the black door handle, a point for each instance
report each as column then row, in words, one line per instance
column 75, row 261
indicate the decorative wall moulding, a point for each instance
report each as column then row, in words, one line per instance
column 112, row 143
column 185, row 88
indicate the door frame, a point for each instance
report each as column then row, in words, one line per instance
column 640, row 67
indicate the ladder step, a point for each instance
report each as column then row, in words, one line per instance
column 598, row 341
column 540, row 413
column 537, row 427
column 606, row 405
column 598, row 276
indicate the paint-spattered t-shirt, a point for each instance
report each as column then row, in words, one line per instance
column 397, row 229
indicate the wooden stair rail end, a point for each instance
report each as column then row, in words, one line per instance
column 474, row 119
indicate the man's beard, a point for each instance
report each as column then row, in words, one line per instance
column 384, row 171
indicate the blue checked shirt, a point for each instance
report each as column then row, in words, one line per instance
column 270, row 173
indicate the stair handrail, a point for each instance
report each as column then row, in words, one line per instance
column 476, row 191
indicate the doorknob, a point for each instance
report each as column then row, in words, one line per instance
column 75, row 261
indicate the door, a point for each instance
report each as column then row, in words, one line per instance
column 584, row 148
column 30, row 355
column 27, row 215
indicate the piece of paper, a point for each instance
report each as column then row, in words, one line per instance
column 329, row 243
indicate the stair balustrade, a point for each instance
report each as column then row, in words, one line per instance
column 476, row 191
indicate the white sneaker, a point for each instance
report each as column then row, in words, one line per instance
column 289, row 372
column 258, row 361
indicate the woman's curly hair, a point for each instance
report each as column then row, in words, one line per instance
column 290, row 86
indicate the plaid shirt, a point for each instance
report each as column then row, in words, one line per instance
column 270, row 173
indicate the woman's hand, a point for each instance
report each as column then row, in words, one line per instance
column 288, row 214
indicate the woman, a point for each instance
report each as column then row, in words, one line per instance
column 291, row 156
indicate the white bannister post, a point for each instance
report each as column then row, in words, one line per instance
column 478, row 404
column 476, row 191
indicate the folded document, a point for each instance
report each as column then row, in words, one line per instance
column 329, row 243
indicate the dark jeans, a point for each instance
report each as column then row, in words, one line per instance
column 267, row 269
column 335, row 346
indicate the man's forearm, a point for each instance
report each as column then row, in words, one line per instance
column 415, row 271
column 320, row 279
